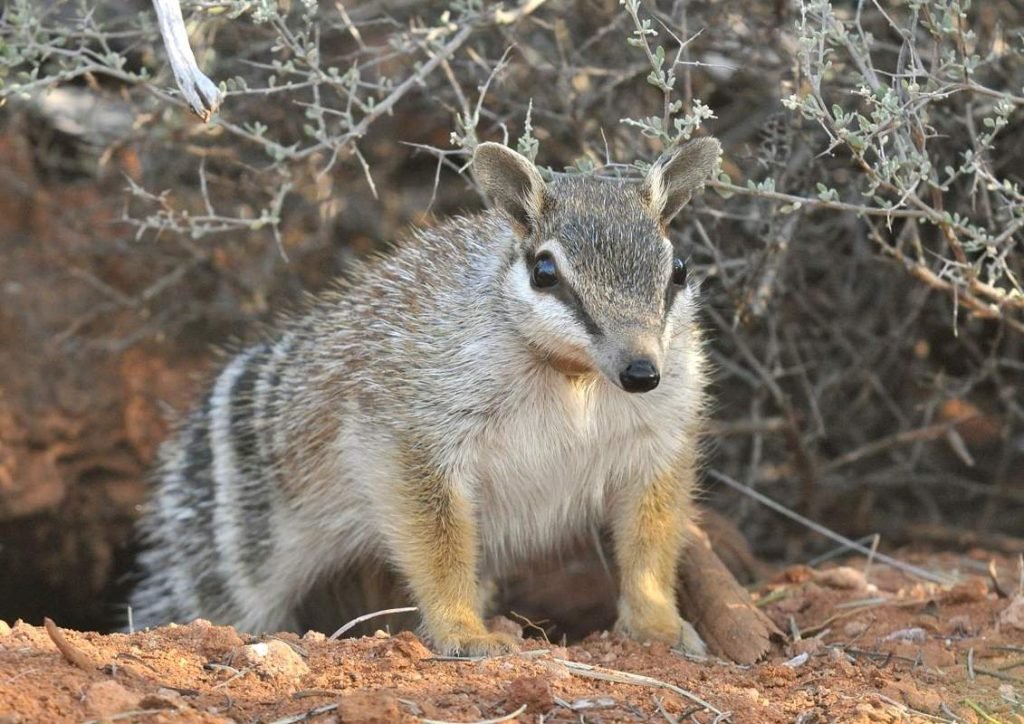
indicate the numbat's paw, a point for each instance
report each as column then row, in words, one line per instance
column 478, row 644
column 691, row 642
column 667, row 627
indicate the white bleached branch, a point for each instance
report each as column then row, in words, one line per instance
column 201, row 93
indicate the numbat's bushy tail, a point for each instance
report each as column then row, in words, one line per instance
column 487, row 390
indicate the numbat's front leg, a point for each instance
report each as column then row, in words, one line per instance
column 650, row 533
column 434, row 544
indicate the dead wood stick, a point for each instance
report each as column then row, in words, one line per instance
column 202, row 94
column 67, row 649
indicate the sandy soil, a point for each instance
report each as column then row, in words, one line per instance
column 894, row 649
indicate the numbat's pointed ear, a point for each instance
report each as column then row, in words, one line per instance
column 679, row 172
column 511, row 183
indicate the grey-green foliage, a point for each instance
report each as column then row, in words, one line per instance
column 862, row 255
column 922, row 132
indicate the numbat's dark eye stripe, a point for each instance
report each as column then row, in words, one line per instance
column 544, row 274
column 543, row 270
column 678, row 272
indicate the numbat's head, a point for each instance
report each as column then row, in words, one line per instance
column 594, row 284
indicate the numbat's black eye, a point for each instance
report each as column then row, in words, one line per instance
column 678, row 272
column 545, row 273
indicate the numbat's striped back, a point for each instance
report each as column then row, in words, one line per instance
column 255, row 499
column 455, row 406
column 209, row 528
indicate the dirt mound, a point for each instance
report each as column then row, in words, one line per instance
column 893, row 649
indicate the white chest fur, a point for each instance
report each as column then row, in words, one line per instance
column 551, row 466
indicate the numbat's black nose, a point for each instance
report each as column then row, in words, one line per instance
column 639, row 376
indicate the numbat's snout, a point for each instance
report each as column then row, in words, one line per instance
column 640, row 375
column 448, row 438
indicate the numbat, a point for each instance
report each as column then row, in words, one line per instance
column 488, row 390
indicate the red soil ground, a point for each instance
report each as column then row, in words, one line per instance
column 876, row 649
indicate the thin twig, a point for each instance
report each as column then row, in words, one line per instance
column 131, row 715
column 588, row 671
column 828, row 533
column 366, row 617
column 498, row 720
column 306, row 716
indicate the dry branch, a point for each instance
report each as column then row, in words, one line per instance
column 201, row 93
column 66, row 648
column 624, row 677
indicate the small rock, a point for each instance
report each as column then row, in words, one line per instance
column 657, row 648
column 271, row 658
column 844, row 578
column 163, row 699
column 107, row 698
column 914, row 635
column 4, row 628
column 909, row 651
column 452, row 707
column 534, row 691
column 214, row 642
column 970, row 591
column 959, row 625
column 937, row 657
column 501, row 624
column 381, row 634
column 840, row 659
column 855, row 628
column 370, row 707
column 755, row 696
column 314, row 636
column 774, row 675
column 806, row 646
column 791, row 605
column 920, row 698
column 931, row 624
column 556, row 669
column 403, row 649
column 407, row 644
column 1013, row 615
column 875, row 710
column 796, row 574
